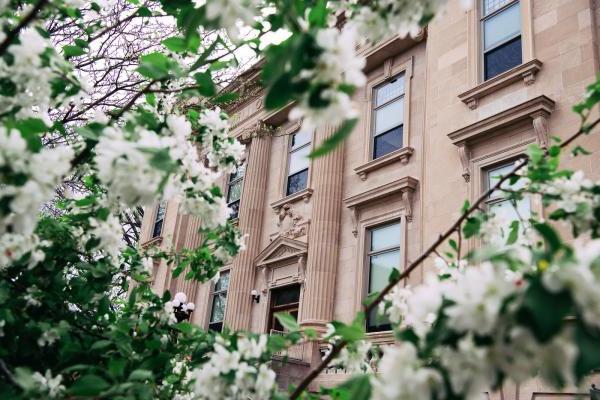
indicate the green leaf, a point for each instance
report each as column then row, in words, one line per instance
column 88, row 385
column 288, row 321
column 514, row 233
column 206, row 86
column 544, row 311
column 100, row 345
column 141, row 375
column 155, row 66
column 225, row 98
column 334, row 140
column 358, row 387
column 279, row 93
column 588, row 359
column 7, row 87
column 350, row 333
column 394, row 275
column 144, row 12
column 176, row 44
column 73, row 51
column 204, row 56
column 317, row 16
column 472, row 227
column 550, row 236
column 30, row 129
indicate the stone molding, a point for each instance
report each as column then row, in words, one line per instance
column 526, row 71
column 536, row 111
column 296, row 225
column 281, row 249
column 303, row 194
column 402, row 155
column 406, row 187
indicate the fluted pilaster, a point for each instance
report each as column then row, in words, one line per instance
column 323, row 247
column 252, row 208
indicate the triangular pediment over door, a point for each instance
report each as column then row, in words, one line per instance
column 282, row 261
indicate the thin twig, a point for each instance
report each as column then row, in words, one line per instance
column 10, row 36
column 431, row 249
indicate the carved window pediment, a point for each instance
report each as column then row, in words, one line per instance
column 280, row 250
column 536, row 112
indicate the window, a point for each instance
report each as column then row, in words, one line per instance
column 234, row 190
column 297, row 177
column 498, row 203
column 383, row 257
column 388, row 116
column 159, row 219
column 286, row 299
column 501, row 24
column 219, row 300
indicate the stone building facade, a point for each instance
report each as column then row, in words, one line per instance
column 440, row 114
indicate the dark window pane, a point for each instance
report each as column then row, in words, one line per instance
column 388, row 142
column 503, row 58
column 216, row 326
column 286, row 295
column 297, row 182
column 235, row 210
column 157, row 228
column 217, row 313
column 377, row 323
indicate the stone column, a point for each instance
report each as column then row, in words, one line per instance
column 323, row 247
column 252, row 208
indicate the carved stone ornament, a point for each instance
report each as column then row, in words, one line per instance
column 259, row 128
column 290, row 224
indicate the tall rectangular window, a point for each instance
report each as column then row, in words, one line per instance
column 285, row 299
column 383, row 256
column 219, row 301
column 159, row 218
column 505, row 209
column 234, row 190
column 388, row 116
column 297, row 175
column 501, row 25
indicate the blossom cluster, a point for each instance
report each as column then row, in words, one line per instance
column 480, row 307
column 383, row 18
column 337, row 68
column 139, row 165
column 29, row 75
column 27, row 182
column 236, row 370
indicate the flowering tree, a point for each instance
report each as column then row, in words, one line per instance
column 66, row 333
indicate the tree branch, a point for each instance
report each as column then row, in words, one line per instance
column 430, row 250
column 10, row 36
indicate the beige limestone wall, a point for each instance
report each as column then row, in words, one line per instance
column 563, row 37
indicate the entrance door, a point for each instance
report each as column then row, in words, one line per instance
column 285, row 299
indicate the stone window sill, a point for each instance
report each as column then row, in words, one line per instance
column 304, row 194
column 525, row 71
column 402, row 155
column 155, row 241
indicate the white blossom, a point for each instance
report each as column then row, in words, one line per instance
column 478, row 295
column 337, row 65
column 49, row 385
column 401, row 375
column 581, row 279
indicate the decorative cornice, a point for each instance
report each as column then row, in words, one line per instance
column 536, row 111
column 525, row 71
column 540, row 106
column 152, row 242
column 406, row 187
column 402, row 155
